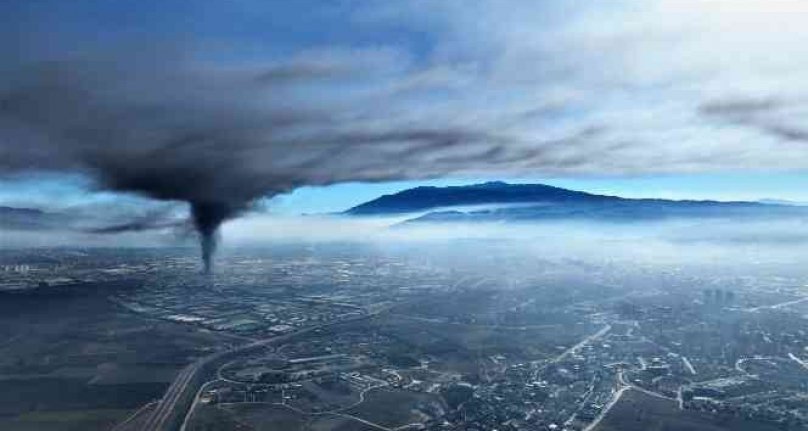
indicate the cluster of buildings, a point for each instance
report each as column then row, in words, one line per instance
column 735, row 347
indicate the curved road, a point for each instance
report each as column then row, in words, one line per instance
column 178, row 399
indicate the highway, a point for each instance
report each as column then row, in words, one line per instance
column 798, row 360
column 582, row 343
column 128, row 422
column 621, row 377
column 571, row 350
column 776, row 306
column 606, row 409
column 624, row 385
column 162, row 413
column 688, row 365
column 172, row 409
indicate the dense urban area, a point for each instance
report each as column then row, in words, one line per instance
column 357, row 337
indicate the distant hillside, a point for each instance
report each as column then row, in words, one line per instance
column 421, row 199
column 540, row 202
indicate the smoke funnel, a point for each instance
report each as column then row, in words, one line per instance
column 207, row 217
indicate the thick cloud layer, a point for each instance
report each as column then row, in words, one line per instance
column 406, row 90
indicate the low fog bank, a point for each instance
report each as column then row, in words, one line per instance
column 701, row 241
column 259, row 228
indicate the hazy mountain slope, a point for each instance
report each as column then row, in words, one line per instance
column 541, row 202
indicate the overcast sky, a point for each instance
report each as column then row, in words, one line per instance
column 246, row 99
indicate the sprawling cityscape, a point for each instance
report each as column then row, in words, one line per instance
column 403, row 215
column 356, row 337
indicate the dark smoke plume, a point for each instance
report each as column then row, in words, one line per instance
column 217, row 139
column 207, row 218
column 138, row 225
column 174, row 128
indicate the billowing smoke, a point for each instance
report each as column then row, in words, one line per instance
column 150, row 221
column 216, row 138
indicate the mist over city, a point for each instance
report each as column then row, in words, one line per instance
column 322, row 215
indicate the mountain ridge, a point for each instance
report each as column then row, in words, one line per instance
column 428, row 198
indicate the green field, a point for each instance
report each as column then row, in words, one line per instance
column 74, row 420
column 212, row 418
column 338, row 423
column 394, row 408
column 637, row 411
column 267, row 417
